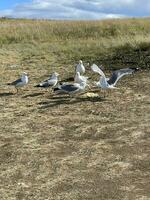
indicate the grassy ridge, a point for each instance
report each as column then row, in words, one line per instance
column 111, row 42
column 45, row 30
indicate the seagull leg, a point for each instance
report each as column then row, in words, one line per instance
column 71, row 97
column 107, row 93
column 104, row 94
column 20, row 91
column 110, row 92
column 100, row 91
column 16, row 90
column 50, row 90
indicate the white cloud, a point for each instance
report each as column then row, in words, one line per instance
column 79, row 9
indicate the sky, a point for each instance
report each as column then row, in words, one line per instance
column 74, row 9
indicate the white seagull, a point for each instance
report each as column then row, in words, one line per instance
column 80, row 67
column 79, row 79
column 70, row 89
column 50, row 82
column 23, row 80
column 109, row 83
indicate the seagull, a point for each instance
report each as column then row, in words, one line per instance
column 109, row 83
column 50, row 82
column 70, row 89
column 23, row 80
column 80, row 67
column 79, row 79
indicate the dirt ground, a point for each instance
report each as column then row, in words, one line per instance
column 86, row 148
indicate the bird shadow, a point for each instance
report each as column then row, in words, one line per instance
column 6, row 94
column 66, row 100
column 33, row 94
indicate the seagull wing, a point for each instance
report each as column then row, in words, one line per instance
column 70, row 87
column 116, row 75
column 96, row 69
column 47, row 83
column 43, row 84
column 16, row 82
column 66, row 88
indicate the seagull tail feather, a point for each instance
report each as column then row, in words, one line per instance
column 38, row 85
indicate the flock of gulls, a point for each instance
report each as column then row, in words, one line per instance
column 80, row 81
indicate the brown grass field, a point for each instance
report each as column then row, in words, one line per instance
column 86, row 148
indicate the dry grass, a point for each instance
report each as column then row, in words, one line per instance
column 46, row 30
column 87, row 148
column 104, row 41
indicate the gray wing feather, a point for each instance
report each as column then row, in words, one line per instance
column 118, row 74
column 15, row 83
column 46, row 83
column 96, row 69
column 69, row 88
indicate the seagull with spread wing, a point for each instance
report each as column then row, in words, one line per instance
column 110, row 83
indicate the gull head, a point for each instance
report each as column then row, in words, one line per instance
column 88, row 64
column 24, row 74
column 55, row 74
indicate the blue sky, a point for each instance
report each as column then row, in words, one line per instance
column 5, row 4
column 74, row 9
